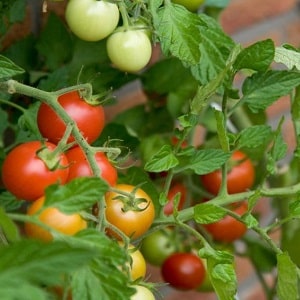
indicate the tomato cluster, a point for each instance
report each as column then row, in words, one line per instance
column 128, row 45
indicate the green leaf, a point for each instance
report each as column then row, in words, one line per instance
column 35, row 261
column 179, row 34
column 221, row 129
column 17, row 11
column 287, row 284
column 208, row 213
column 9, row 202
column 256, row 57
column 254, row 136
column 288, row 57
column 204, row 161
column 262, row 89
column 8, row 227
column 79, row 194
column 8, row 69
column 294, row 209
column 54, row 52
column 215, row 48
column 163, row 160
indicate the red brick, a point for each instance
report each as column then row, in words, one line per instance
column 242, row 13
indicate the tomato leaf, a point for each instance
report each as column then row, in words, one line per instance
column 163, row 160
column 8, row 227
column 287, row 56
column 262, row 89
column 104, row 275
column 203, row 161
column 79, row 194
column 207, row 213
column 287, row 284
column 179, row 33
column 257, row 57
column 8, row 69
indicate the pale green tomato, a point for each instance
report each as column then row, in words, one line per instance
column 191, row 5
column 129, row 50
column 142, row 293
column 92, row 20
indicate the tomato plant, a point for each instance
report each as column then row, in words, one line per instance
column 92, row 20
column 228, row 229
column 79, row 166
column 130, row 210
column 29, row 168
column 129, row 50
column 137, row 265
column 176, row 189
column 157, row 246
column 90, row 119
column 183, row 271
column 240, row 176
column 68, row 224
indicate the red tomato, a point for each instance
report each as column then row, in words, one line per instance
column 68, row 224
column 26, row 176
column 89, row 119
column 228, row 229
column 184, row 271
column 132, row 216
column 174, row 190
column 240, row 176
column 79, row 166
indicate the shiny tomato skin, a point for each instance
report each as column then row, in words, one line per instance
column 174, row 190
column 90, row 119
column 79, row 166
column 228, row 229
column 92, row 20
column 183, row 271
column 129, row 50
column 239, row 178
column 191, row 5
column 26, row 176
column 132, row 223
column 68, row 224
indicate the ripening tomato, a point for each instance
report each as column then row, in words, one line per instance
column 175, row 189
column 228, row 229
column 240, row 175
column 191, row 5
column 184, row 271
column 138, row 267
column 142, row 293
column 157, row 246
column 79, row 166
column 132, row 215
column 92, row 20
column 90, row 119
column 68, row 224
column 27, row 176
column 129, row 50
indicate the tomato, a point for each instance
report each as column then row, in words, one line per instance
column 138, row 265
column 68, row 224
column 142, row 293
column 26, row 175
column 89, row 119
column 191, row 5
column 240, row 176
column 79, row 166
column 92, row 20
column 157, row 246
column 228, row 229
column 174, row 190
column 184, row 271
column 129, row 50
column 132, row 216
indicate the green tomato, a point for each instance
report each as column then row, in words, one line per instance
column 157, row 246
column 92, row 20
column 129, row 50
column 142, row 293
column 191, row 5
